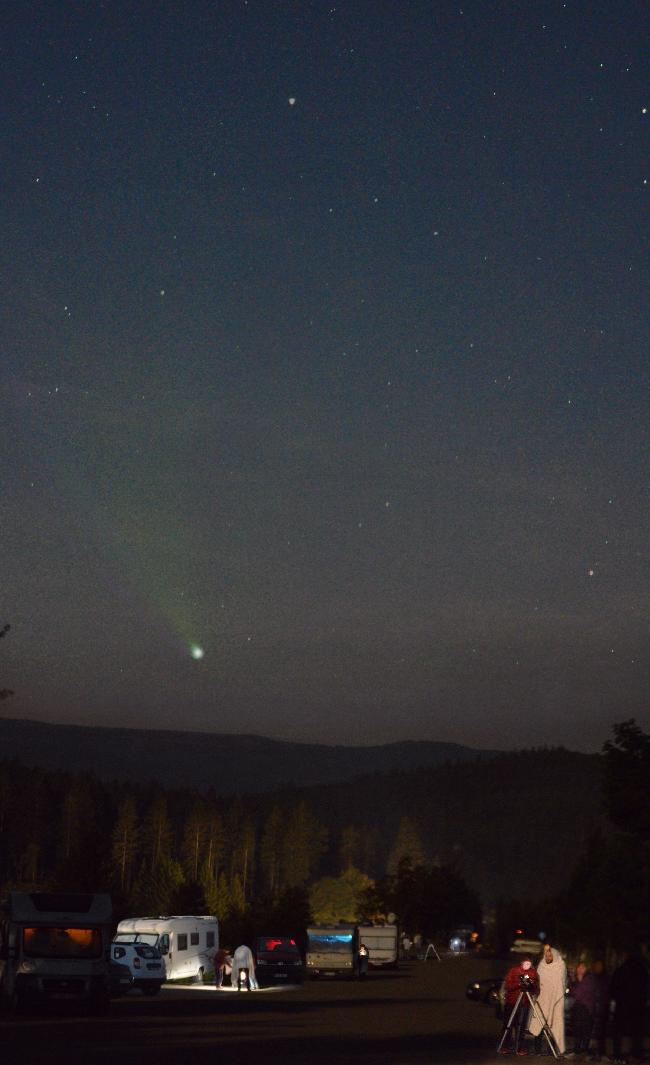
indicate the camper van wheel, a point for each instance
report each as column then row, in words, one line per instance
column 198, row 979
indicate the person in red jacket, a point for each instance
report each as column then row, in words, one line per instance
column 521, row 977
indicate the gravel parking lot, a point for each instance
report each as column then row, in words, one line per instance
column 419, row 1014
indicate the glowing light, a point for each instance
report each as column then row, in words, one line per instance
column 196, row 651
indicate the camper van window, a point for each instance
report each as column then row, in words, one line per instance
column 194, row 939
column 182, row 941
column 62, row 942
column 209, row 939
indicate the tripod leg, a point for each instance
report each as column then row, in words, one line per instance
column 539, row 1014
column 508, row 1026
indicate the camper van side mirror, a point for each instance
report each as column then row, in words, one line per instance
column 163, row 946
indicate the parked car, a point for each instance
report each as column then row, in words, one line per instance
column 144, row 962
column 485, row 990
column 527, row 946
column 278, row 961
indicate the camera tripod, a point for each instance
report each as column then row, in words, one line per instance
column 539, row 1014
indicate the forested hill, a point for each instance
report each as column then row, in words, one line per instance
column 513, row 825
column 227, row 763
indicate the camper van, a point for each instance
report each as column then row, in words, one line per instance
column 332, row 950
column 382, row 943
column 187, row 944
column 55, row 946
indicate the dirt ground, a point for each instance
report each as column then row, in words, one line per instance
column 419, row 1014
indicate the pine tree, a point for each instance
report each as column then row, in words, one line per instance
column 407, row 845
column 156, row 834
column 125, row 842
column 271, row 851
column 349, row 848
column 303, row 843
column 195, row 833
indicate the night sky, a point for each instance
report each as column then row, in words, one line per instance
column 324, row 361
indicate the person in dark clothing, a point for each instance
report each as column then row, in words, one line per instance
column 583, row 993
column 629, row 989
column 601, row 1009
column 521, row 977
column 221, row 960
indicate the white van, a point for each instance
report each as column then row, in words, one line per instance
column 187, row 944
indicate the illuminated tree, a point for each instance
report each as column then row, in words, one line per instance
column 195, row 833
column 271, row 850
column 339, row 898
column 156, row 834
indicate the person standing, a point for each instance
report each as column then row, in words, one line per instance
column 601, row 1009
column 520, row 978
column 583, row 992
column 220, row 962
column 552, row 986
column 243, row 960
column 629, row 989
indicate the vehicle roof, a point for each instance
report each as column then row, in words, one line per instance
column 41, row 907
column 160, row 924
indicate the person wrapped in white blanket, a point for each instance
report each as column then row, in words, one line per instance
column 552, row 987
column 243, row 959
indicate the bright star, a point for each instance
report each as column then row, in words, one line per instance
column 196, row 651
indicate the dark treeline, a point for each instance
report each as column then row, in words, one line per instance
column 604, row 905
column 525, row 827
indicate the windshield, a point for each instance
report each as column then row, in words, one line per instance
column 274, row 944
column 137, row 937
column 331, row 942
column 62, row 943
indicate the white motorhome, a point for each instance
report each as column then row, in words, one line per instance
column 55, row 945
column 187, row 944
column 332, row 950
column 382, row 943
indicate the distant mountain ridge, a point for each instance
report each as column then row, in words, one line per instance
column 229, row 763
